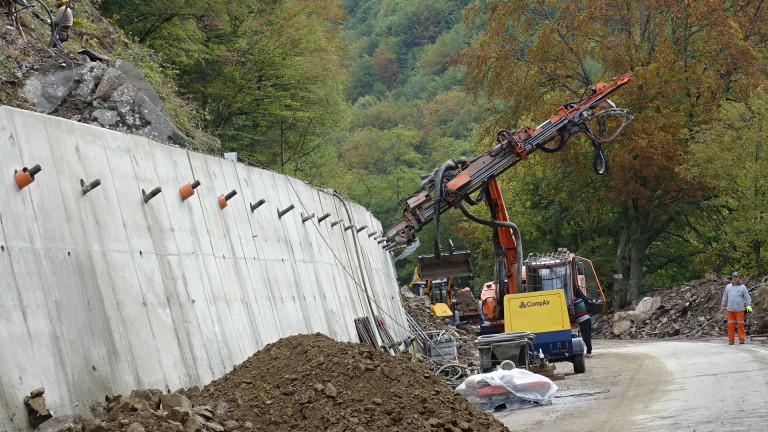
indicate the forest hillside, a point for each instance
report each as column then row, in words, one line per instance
column 366, row 96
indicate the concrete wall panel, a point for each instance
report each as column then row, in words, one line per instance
column 103, row 293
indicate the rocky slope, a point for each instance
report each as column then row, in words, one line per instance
column 689, row 310
column 97, row 77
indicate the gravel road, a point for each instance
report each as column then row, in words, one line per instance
column 657, row 386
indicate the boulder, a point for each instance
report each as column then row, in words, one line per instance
column 87, row 78
column 152, row 396
column 117, row 97
column 47, row 92
column 622, row 323
column 175, row 400
column 645, row 309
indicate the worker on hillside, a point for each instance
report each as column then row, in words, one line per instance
column 581, row 316
column 62, row 23
column 735, row 300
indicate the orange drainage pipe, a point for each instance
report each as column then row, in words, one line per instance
column 26, row 176
column 224, row 198
column 188, row 189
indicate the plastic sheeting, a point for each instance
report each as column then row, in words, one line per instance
column 502, row 390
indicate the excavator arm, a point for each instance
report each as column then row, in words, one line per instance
column 455, row 181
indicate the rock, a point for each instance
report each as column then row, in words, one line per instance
column 222, row 408
column 215, row 427
column 94, row 56
column 87, row 78
column 231, row 425
column 645, row 309
column 135, row 427
column 106, row 118
column 175, row 400
column 94, row 426
column 47, row 92
column 621, row 323
column 37, row 412
column 204, row 412
column 125, row 405
column 37, row 392
column 193, row 424
column 330, row 390
column 178, row 415
column 151, row 396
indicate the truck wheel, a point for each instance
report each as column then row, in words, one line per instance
column 579, row 366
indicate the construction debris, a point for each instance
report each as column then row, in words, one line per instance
column 689, row 310
column 304, row 383
column 463, row 335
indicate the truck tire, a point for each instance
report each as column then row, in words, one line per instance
column 579, row 366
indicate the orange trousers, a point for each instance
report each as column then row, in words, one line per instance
column 733, row 319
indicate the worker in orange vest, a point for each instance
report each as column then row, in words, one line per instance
column 736, row 299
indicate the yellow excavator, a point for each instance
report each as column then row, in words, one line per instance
column 438, row 291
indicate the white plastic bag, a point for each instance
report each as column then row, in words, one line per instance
column 507, row 389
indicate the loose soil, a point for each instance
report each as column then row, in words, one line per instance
column 313, row 383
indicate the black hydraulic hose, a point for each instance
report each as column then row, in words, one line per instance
column 478, row 199
column 502, row 224
column 450, row 163
column 598, row 161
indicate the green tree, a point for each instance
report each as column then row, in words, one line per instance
column 730, row 155
column 268, row 76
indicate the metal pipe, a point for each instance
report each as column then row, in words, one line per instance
column 502, row 224
column 281, row 213
column 257, row 204
column 151, row 194
column 85, row 188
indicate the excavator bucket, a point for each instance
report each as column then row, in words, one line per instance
column 447, row 265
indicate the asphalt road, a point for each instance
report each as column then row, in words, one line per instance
column 658, row 386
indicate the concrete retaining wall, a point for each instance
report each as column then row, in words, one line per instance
column 101, row 293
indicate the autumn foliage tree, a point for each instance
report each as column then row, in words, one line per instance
column 685, row 57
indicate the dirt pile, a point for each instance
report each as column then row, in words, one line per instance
column 464, row 302
column 418, row 309
column 689, row 310
column 305, row 383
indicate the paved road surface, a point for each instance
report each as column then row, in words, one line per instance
column 658, row 386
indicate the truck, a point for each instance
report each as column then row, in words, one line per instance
column 459, row 183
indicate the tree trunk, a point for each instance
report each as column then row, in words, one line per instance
column 637, row 253
column 619, row 281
